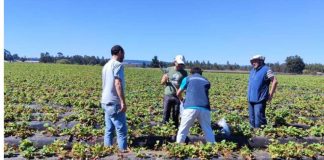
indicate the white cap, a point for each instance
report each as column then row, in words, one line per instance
column 257, row 57
column 180, row 59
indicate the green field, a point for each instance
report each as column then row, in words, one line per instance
column 66, row 100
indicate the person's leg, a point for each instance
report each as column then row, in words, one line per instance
column 109, row 128
column 187, row 119
column 259, row 114
column 166, row 108
column 176, row 111
column 251, row 115
column 205, row 123
column 119, row 121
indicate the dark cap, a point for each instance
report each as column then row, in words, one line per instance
column 115, row 49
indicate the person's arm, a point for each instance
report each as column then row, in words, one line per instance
column 274, row 83
column 164, row 79
column 182, row 87
column 179, row 94
column 118, row 74
column 120, row 93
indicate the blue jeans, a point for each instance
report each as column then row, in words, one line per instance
column 115, row 120
column 257, row 114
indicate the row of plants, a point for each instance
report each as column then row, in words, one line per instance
column 59, row 149
column 60, row 89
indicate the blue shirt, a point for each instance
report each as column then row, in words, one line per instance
column 259, row 81
column 196, row 88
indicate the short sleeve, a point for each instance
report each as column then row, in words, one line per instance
column 270, row 74
column 165, row 70
column 118, row 70
column 183, row 84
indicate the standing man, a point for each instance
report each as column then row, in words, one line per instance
column 113, row 99
column 172, row 79
column 258, row 90
column 196, row 105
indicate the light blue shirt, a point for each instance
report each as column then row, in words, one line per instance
column 113, row 69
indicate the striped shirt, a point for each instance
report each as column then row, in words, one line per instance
column 270, row 74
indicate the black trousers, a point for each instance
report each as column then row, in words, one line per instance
column 171, row 104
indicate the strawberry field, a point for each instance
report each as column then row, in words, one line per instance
column 54, row 111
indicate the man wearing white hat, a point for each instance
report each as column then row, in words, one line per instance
column 172, row 79
column 258, row 90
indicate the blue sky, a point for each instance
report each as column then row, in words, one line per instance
column 214, row 30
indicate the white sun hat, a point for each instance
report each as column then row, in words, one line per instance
column 180, row 59
column 257, row 57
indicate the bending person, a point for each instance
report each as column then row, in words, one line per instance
column 196, row 105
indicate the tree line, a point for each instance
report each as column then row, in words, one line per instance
column 75, row 59
column 293, row 64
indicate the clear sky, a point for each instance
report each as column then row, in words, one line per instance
column 214, row 30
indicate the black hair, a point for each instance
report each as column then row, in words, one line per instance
column 194, row 70
column 116, row 49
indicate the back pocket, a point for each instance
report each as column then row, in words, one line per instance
column 112, row 109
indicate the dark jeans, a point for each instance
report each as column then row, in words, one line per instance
column 171, row 104
column 257, row 114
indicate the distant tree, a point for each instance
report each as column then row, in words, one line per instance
column 77, row 59
column 317, row 67
column 46, row 58
column 143, row 65
column 295, row 64
column 155, row 62
column 7, row 55
column 15, row 57
column 103, row 61
column 59, row 56
column 23, row 59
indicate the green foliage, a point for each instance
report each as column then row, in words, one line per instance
column 317, row 131
column 27, row 149
column 280, row 115
column 63, row 61
column 294, row 150
column 98, row 151
column 79, row 150
column 47, row 151
column 295, row 64
column 246, row 153
column 199, row 150
column 77, row 89
column 18, row 129
column 139, row 152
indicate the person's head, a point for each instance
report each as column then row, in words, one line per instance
column 118, row 52
column 195, row 70
column 257, row 61
column 179, row 62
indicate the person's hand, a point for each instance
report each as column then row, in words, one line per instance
column 123, row 107
column 164, row 79
column 270, row 98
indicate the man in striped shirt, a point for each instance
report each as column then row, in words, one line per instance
column 258, row 90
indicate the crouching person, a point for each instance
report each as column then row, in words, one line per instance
column 196, row 105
